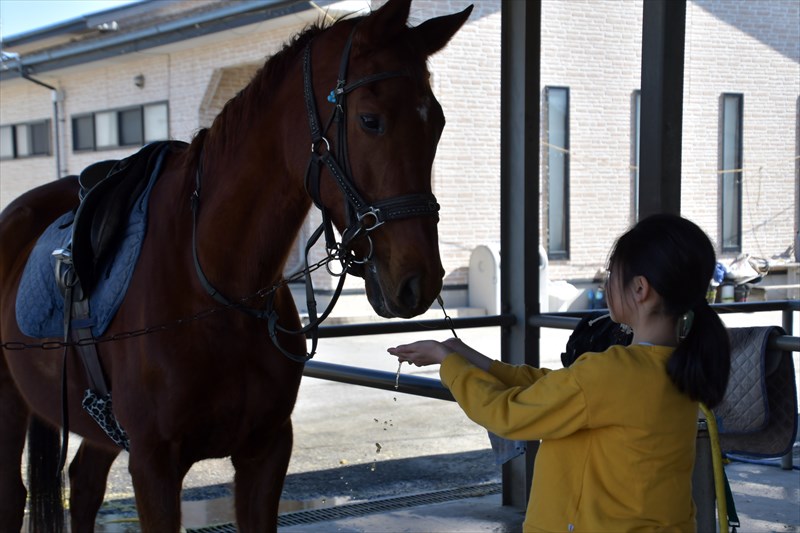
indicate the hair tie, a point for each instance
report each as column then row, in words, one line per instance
column 685, row 324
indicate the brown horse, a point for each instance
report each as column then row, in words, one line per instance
column 218, row 386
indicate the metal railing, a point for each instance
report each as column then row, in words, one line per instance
column 432, row 388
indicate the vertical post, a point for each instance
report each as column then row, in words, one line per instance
column 58, row 96
column 519, row 213
column 788, row 326
column 663, row 37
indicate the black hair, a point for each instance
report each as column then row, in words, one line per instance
column 678, row 260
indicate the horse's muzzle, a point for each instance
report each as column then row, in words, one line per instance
column 408, row 300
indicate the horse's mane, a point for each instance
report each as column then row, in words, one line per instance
column 242, row 105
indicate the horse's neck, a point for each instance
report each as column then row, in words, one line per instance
column 252, row 202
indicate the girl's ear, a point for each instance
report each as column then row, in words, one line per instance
column 641, row 289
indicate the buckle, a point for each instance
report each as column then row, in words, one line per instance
column 376, row 216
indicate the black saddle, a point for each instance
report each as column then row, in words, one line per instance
column 596, row 332
column 109, row 190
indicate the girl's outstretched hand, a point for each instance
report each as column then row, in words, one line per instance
column 421, row 353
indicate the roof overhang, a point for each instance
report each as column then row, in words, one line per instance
column 103, row 43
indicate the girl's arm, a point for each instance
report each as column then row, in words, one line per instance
column 423, row 353
column 551, row 407
column 470, row 354
column 499, row 396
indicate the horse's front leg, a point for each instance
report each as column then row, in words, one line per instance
column 260, row 470
column 88, row 473
column 157, row 474
column 13, row 425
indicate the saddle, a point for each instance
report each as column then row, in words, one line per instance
column 109, row 191
column 758, row 414
column 93, row 263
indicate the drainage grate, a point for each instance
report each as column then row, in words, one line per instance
column 222, row 528
column 352, row 510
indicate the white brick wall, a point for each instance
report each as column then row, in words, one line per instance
column 22, row 101
column 592, row 47
column 759, row 57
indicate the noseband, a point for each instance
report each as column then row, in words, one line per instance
column 361, row 217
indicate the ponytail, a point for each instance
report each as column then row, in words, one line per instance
column 678, row 260
column 701, row 363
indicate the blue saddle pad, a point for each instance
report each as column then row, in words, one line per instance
column 40, row 304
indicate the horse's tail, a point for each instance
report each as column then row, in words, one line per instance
column 45, row 479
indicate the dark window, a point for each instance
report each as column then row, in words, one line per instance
column 131, row 130
column 40, row 138
column 730, row 171
column 132, row 126
column 557, row 160
column 83, row 133
column 25, row 140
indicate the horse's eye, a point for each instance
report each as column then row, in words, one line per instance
column 372, row 124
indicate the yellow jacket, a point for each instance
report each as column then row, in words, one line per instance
column 618, row 438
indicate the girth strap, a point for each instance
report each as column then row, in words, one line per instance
column 78, row 329
column 81, row 330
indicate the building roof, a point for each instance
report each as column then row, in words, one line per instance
column 133, row 28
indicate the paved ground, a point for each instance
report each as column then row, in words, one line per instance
column 355, row 444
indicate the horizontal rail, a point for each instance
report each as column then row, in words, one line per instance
column 409, row 326
column 553, row 321
column 378, row 379
column 757, row 307
column 722, row 308
column 786, row 343
column 566, row 320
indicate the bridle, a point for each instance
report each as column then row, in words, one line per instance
column 361, row 216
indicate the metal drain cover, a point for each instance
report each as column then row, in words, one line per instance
column 351, row 510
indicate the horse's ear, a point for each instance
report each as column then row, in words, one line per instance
column 436, row 33
column 387, row 22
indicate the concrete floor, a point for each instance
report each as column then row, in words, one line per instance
column 767, row 500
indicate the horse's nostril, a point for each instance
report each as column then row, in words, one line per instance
column 410, row 292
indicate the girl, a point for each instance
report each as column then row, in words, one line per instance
column 618, row 428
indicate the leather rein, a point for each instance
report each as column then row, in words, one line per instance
column 362, row 217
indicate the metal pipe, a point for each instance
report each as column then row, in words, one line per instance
column 662, row 65
column 788, row 327
column 553, row 321
column 57, row 130
column 786, row 343
column 378, row 379
column 407, row 326
column 520, row 73
column 756, row 307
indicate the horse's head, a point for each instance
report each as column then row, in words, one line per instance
column 384, row 149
